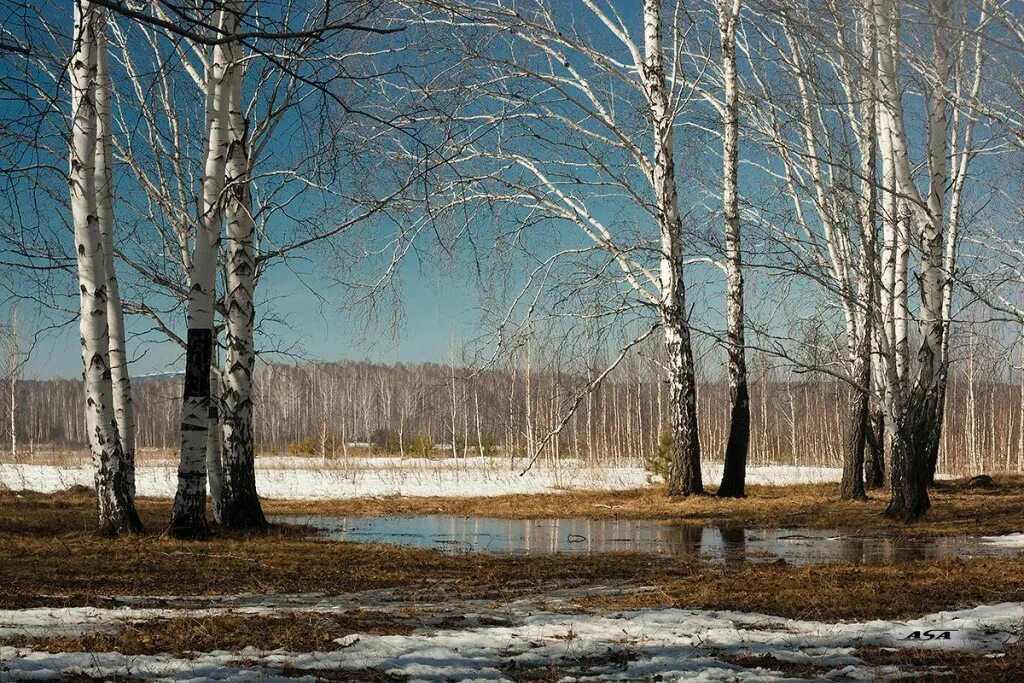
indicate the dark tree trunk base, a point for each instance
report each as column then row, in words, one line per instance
column 874, row 467
column 124, row 521
column 734, row 473
column 244, row 517
column 685, row 478
column 911, row 448
column 685, row 491
column 907, row 511
column 852, row 485
column 189, row 526
column 115, row 506
column 240, row 503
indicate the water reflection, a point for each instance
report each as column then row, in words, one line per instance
column 732, row 545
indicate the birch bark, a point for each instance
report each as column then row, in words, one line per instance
column 115, row 506
column 215, row 444
column 124, row 410
column 188, row 518
column 684, row 471
column 734, row 472
column 860, row 429
column 240, row 504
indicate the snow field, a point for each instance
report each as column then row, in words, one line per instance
column 308, row 479
column 674, row 644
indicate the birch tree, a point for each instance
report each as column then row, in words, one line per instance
column 188, row 518
column 734, row 471
column 241, row 506
column 115, row 503
column 124, row 411
column 565, row 142
column 824, row 138
column 684, row 474
column 914, row 396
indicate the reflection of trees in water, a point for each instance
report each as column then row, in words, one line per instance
column 734, row 544
column 684, row 539
column 854, row 550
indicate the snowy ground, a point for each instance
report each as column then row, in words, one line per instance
column 307, row 478
column 502, row 642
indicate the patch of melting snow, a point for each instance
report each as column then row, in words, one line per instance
column 670, row 643
column 1006, row 540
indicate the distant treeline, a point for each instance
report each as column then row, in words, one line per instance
column 334, row 409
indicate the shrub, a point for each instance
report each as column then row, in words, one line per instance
column 659, row 461
column 307, row 446
column 385, row 441
column 489, row 444
column 421, row 445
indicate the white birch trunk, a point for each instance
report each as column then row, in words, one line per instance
column 188, row 518
column 114, row 502
column 684, row 472
column 241, row 505
column 124, row 410
column 863, row 334
column 734, row 472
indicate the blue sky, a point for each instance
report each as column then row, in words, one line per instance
column 437, row 298
column 434, row 311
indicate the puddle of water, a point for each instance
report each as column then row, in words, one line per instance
column 728, row 544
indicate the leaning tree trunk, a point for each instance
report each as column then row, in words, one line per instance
column 188, row 518
column 684, row 471
column 734, row 473
column 116, row 509
column 240, row 507
column 124, row 410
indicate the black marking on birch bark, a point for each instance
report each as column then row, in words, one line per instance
column 199, row 349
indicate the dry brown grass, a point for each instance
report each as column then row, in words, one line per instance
column 950, row 665
column 49, row 556
column 956, row 508
column 833, row 592
column 925, row 664
column 295, row 632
